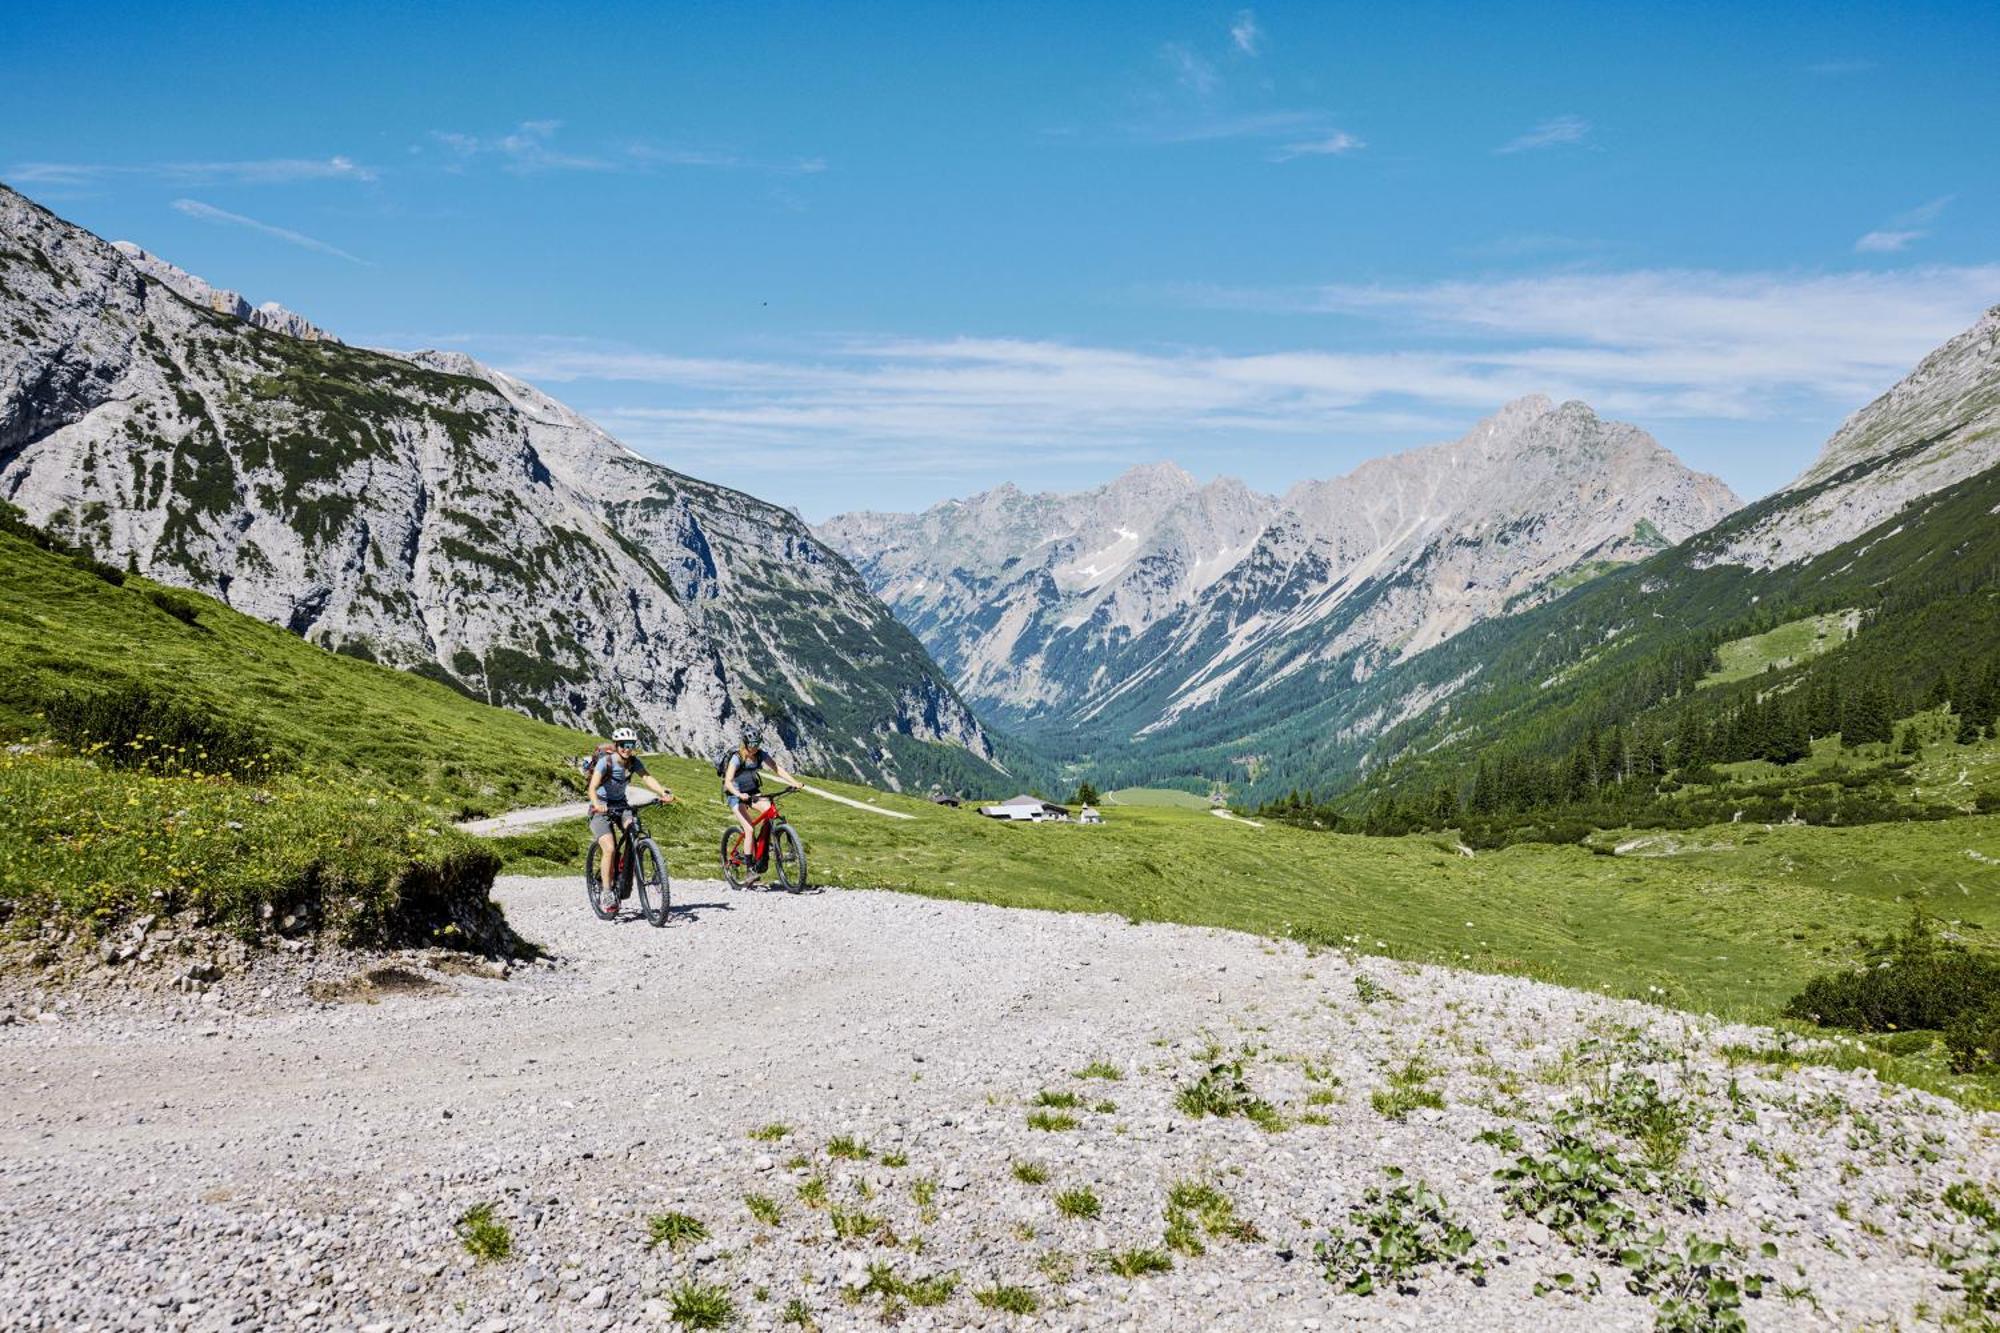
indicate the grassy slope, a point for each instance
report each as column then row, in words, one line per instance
column 1733, row 922
column 1166, row 796
column 1788, row 644
column 61, row 627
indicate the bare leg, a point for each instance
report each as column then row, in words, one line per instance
column 604, row 862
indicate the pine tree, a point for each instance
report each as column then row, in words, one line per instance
column 1968, row 730
column 1085, row 794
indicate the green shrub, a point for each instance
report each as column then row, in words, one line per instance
column 180, row 608
column 1916, row 981
column 484, row 1236
column 1972, row 1039
column 131, row 726
column 111, row 574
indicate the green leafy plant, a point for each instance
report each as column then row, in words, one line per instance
column 695, row 1304
column 1103, row 1069
column 674, row 1230
column 1393, row 1235
column 1138, row 1262
column 484, row 1236
column 1080, row 1202
column 1408, row 1090
column 1008, row 1300
column 764, row 1208
column 770, row 1133
column 1196, row 1208
column 1031, row 1173
column 1051, row 1121
column 848, row 1148
column 1223, row 1091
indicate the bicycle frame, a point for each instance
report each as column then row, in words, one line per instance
column 624, row 837
column 763, row 825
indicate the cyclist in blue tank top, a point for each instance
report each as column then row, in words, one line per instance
column 742, row 784
column 610, row 776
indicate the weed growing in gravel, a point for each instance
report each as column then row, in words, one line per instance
column 484, row 1236
column 1062, row 1101
column 1371, row 991
column 812, row 1192
column 770, row 1133
column 763, row 1208
column 1393, row 1235
column 1634, row 1108
column 895, row 1159
column 848, row 1148
column 924, row 1193
column 1105, row 1107
column 1056, row 1266
column 1975, row 1264
column 674, row 1230
column 1079, row 1202
column 701, row 1305
column 798, row 1314
column 1101, row 1069
column 1008, row 1300
column 855, row 1224
column 1223, row 1091
column 895, row 1291
column 797, row 1162
column 1195, row 1208
column 1052, row 1121
column 1138, row 1263
column 1407, row 1090
column 1322, row 1097
column 1505, row 1138
column 1031, row 1173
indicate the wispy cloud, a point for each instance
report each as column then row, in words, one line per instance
column 1191, row 70
column 1549, row 134
column 1337, row 144
column 530, row 148
column 262, row 171
column 194, row 208
column 1244, row 32
column 1903, row 229
column 1657, row 345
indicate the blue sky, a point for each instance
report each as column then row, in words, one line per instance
column 873, row 256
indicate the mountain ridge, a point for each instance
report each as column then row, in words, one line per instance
column 1225, row 589
column 427, row 512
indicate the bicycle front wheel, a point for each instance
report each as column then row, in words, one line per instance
column 790, row 855
column 733, row 869
column 655, row 893
column 593, row 886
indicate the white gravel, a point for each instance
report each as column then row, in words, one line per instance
column 248, row 1160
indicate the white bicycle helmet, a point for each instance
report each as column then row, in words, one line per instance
column 624, row 736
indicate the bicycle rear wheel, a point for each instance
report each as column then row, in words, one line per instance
column 790, row 856
column 733, row 870
column 655, row 893
column 593, row 886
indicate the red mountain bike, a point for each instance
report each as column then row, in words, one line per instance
column 776, row 842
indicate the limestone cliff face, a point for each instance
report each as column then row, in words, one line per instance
column 1156, row 600
column 433, row 514
column 1940, row 425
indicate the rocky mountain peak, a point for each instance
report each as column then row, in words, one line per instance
column 270, row 315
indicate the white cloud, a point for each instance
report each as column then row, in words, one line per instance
column 1337, row 144
column 1656, row 345
column 1904, row 228
column 1243, row 31
column 1191, row 71
column 264, row 171
column 194, row 208
column 530, row 148
column 1548, row 134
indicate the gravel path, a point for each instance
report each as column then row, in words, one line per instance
column 250, row 1159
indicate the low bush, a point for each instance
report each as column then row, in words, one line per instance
column 131, row 726
column 1913, row 980
column 180, row 608
column 1972, row 1040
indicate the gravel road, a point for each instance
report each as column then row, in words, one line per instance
column 252, row 1159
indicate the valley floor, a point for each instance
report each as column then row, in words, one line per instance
column 245, row 1161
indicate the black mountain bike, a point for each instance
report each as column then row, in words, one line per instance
column 636, row 863
column 776, row 842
